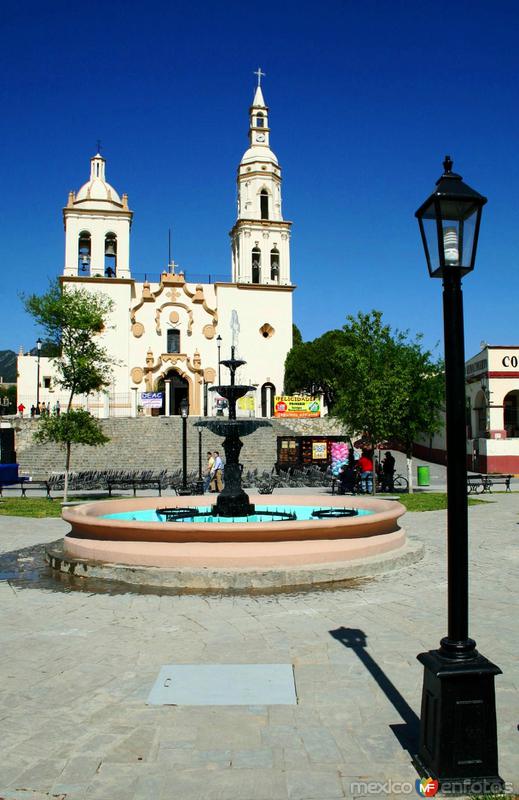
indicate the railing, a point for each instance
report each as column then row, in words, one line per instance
column 189, row 277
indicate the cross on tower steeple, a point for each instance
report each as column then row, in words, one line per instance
column 260, row 75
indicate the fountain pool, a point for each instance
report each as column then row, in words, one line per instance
column 123, row 540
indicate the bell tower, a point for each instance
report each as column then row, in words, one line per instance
column 260, row 238
column 97, row 228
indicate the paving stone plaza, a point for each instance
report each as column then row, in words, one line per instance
column 78, row 665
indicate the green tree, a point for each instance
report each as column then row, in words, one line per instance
column 72, row 320
column 389, row 387
column 424, row 380
column 313, row 367
column 73, row 427
column 296, row 335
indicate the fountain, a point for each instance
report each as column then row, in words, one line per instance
column 233, row 501
column 238, row 542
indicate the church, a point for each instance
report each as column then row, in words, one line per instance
column 166, row 335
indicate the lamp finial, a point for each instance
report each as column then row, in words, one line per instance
column 447, row 164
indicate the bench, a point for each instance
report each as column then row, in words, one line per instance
column 25, row 485
column 476, row 484
column 134, row 483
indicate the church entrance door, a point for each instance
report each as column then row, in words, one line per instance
column 177, row 387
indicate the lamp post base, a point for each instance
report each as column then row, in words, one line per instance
column 458, row 727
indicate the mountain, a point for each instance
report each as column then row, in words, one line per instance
column 8, row 366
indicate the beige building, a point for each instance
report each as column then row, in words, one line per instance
column 163, row 332
column 492, row 398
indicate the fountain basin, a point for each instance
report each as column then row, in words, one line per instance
column 234, row 556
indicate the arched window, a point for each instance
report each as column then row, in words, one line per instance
column 480, row 407
column 256, row 264
column 264, row 204
column 268, row 391
column 84, row 252
column 110, row 255
column 260, row 122
column 511, row 414
column 274, row 264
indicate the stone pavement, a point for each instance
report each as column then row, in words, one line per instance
column 77, row 665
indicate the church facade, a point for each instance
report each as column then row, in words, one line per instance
column 166, row 336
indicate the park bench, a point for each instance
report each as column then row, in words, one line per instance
column 476, row 484
column 134, row 484
column 25, row 485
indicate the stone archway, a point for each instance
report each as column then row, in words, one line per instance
column 174, row 387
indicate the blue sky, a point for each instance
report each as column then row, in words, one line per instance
column 365, row 100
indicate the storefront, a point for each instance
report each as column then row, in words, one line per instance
column 493, row 410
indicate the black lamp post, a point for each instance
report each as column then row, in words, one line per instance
column 184, row 413
column 200, row 481
column 38, row 346
column 219, row 345
column 219, row 411
column 458, row 729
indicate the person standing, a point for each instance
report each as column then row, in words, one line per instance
column 388, row 472
column 216, row 474
column 366, row 471
column 57, row 408
column 209, row 470
column 21, row 409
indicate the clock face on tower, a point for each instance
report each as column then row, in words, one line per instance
column 260, row 137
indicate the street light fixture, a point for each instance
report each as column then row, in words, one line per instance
column 219, row 411
column 184, row 413
column 219, row 345
column 458, row 728
column 38, row 346
column 200, row 481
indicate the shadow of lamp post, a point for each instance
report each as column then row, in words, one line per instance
column 458, row 728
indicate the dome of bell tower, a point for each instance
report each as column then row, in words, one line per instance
column 97, row 193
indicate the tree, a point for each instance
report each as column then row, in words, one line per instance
column 74, row 427
column 72, row 320
column 371, row 396
column 389, row 387
column 424, row 380
column 313, row 367
column 379, row 383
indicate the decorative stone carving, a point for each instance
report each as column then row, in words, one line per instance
column 137, row 329
column 174, row 317
column 209, row 331
column 209, row 375
column 137, row 374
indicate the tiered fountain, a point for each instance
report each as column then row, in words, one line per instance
column 237, row 543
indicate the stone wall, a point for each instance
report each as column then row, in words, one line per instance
column 156, row 443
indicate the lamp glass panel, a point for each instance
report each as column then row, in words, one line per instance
column 431, row 236
column 469, row 230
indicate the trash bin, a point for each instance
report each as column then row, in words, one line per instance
column 423, row 476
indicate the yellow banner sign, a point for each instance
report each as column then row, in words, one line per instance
column 296, row 406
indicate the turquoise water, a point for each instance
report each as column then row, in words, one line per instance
column 302, row 513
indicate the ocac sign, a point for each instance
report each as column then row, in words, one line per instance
column 151, row 399
column 290, row 406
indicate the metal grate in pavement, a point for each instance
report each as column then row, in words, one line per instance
column 224, row 685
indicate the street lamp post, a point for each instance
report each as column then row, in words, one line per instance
column 38, row 346
column 200, row 481
column 184, row 413
column 219, row 345
column 219, row 411
column 458, row 728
